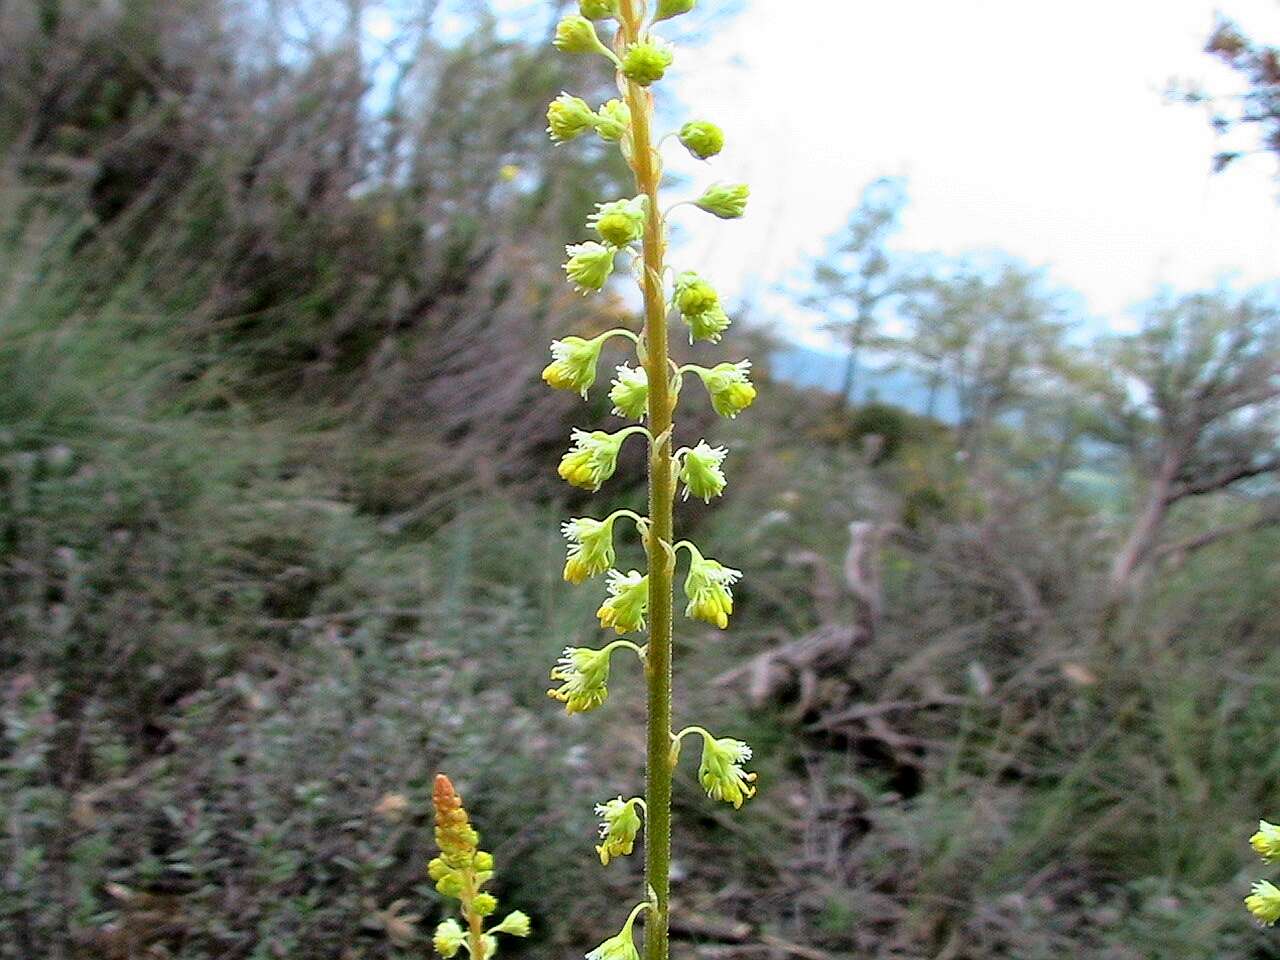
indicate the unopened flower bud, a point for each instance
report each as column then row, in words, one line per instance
column 672, row 8
column 598, row 9
column 569, row 117
column 726, row 201
column 573, row 364
column 576, row 34
column 630, row 393
column 707, row 590
column 589, row 266
column 620, row 223
column 700, row 471
column 702, row 139
column 628, row 601
column 646, row 61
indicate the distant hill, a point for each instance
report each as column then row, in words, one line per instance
column 810, row 367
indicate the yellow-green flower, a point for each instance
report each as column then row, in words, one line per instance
column 619, row 825
column 721, row 773
column 577, row 34
column 569, row 117
column 620, row 223
column 489, row 945
column 620, row 947
column 591, row 550
column 598, row 9
column 646, row 61
column 592, row 459
column 627, row 603
column 584, row 677
column 484, row 903
column 730, row 387
column 589, row 265
column 672, row 8
column 573, row 364
column 726, row 201
column 1264, row 902
column 630, row 393
column 702, row 139
column 707, row 588
column 699, row 305
column 1266, row 842
column 449, row 938
column 700, row 471
column 515, row 924
column 612, row 121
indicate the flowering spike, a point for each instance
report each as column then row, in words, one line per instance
column 726, row 201
column 630, row 393
column 730, row 387
column 700, row 471
column 707, row 590
column 702, row 139
column 721, row 773
column 627, row 603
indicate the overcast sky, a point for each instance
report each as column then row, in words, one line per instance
column 1034, row 126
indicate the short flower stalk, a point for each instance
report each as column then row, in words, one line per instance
column 621, row 34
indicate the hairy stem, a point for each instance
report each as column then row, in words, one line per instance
column 648, row 174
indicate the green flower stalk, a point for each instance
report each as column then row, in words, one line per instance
column 647, row 392
column 460, row 871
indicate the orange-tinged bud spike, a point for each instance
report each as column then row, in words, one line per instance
column 454, row 832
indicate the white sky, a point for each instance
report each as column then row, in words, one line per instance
column 1033, row 126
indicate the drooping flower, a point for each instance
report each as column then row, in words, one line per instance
column 707, row 588
column 1266, row 842
column 577, row 34
column 627, row 603
column 573, row 364
column 619, row 826
column 700, row 471
column 591, row 550
column 721, row 773
column 569, row 117
column 1264, row 902
column 449, row 938
column 672, row 8
column 584, row 677
column 515, row 924
column 730, row 387
column 619, row 947
column 699, row 305
column 612, row 121
column 702, row 139
column 630, row 393
column 621, row 222
column 726, row 201
column 592, row 459
column 589, row 265
column 646, row 61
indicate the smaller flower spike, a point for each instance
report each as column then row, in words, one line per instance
column 584, row 676
column 730, row 387
column 569, row 117
column 589, row 266
column 620, row 223
column 1266, row 842
column 707, row 590
column 573, row 364
column 700, row 471
column 630, row 393
column 727, row 201
column 702, row 139
column 593, row 458
column 646, row 61
column 721, row 773
column 628, row 601
column 1264, row 902
column 619, row 826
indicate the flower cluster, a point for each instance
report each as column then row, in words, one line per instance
column 646, row 392
column 460, row 871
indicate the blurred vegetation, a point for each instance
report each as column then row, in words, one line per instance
column 277, row 543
